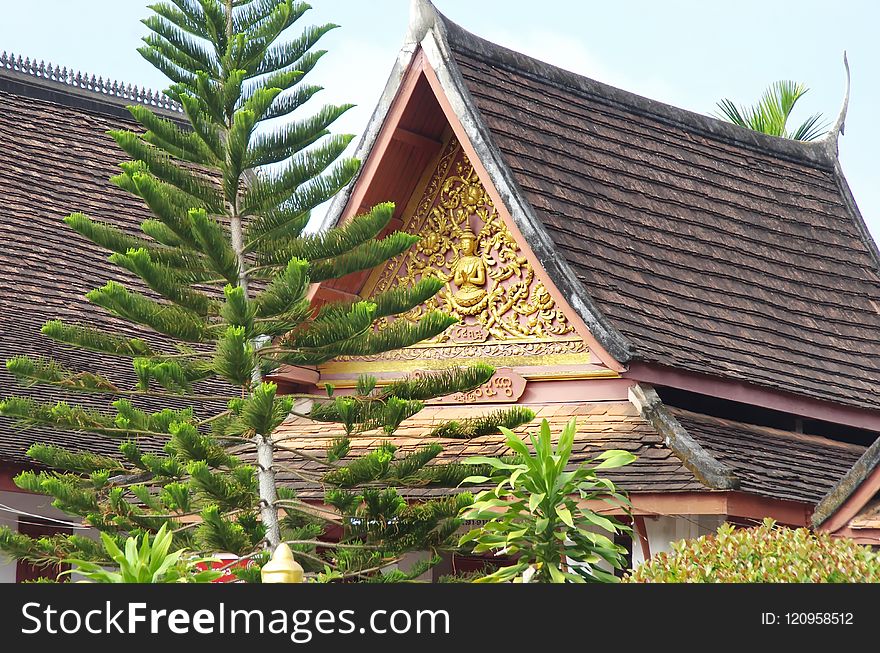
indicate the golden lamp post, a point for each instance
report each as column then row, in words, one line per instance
column 282, row 568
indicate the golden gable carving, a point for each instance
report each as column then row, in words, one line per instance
column 490, row 285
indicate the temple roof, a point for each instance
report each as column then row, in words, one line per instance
column 771, row 462
column 765, row 462
column 58, row 159
column 683, row 241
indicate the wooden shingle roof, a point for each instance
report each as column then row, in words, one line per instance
column 56, row 159
column 601, row 426
column 707, row 247
column 770, row 462
column 766, row 462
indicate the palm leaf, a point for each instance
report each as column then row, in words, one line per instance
column 773, row 111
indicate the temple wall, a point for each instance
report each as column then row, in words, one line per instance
column 14, row 503
column 664, row 530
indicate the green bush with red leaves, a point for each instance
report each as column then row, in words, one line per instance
column 764, row 554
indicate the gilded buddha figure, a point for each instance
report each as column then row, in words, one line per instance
column 469, row 273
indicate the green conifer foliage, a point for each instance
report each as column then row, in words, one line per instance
column 226, row 269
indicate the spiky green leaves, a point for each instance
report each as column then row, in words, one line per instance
column 335, row 242
column 189, row 444
column 286, row 292
column 234, row 357
column 161, row 164
column 214, row 242
column 441, row 383
column 478, row 426
column 30, row 371
column 365, row 256
column 165, row 281
column 82, row 462
column 263, row 412
column 771, row 114
column 84, row 337
column 173, row 321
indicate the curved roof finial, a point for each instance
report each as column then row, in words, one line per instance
column 422, row 16
column 839, row 127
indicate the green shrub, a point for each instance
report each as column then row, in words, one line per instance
column 765, row 554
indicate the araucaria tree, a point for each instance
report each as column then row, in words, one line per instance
column 226, row 270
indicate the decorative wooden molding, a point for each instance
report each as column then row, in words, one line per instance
column 490, row 286
column 76, row 79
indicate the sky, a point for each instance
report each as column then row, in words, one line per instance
column 687, row 53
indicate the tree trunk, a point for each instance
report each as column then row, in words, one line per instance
column 263, row 441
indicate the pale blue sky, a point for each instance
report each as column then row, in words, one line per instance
column 688, row 53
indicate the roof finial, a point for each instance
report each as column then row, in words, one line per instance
column 422, row 15
column 833, row 135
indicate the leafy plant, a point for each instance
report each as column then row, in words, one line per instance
column 771, row 114
column 765, row 554
column 534, row 515
column 144, row 561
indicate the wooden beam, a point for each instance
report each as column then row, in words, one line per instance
column 295, row 374
column 733, row 504
column 7, row 473
column 748, row 393
column 656, row 504
column 854, row 503
column 329, row 294
column 641, row 531
column 416, row 140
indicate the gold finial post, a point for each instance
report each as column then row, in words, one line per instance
column 282, row 568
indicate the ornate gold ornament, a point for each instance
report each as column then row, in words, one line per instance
column 490, row 285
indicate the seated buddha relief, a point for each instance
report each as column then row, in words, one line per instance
column 469, row 275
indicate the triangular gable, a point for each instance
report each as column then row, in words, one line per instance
column 505, row 306
column 512, row 314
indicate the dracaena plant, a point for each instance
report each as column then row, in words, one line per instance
column 536, row 512
column 143, row 560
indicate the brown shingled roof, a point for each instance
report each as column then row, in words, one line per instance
column 601, row 426
column 770, row 462
column 55, row 159
column 709, row 248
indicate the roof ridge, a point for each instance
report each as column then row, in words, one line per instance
column 107, row 89
column 822, row 153
column 707, row 469
column 840, row 493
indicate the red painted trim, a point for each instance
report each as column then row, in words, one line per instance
column 383, row 140
column 748, row 393
column 385, row 136
column 854, row 503
column 870, row 536
column 7, row 473
column 575, row 390
column 295, row 374
column 751, row 506
column 328, row 294
column 733, row 504
column 419, row 141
